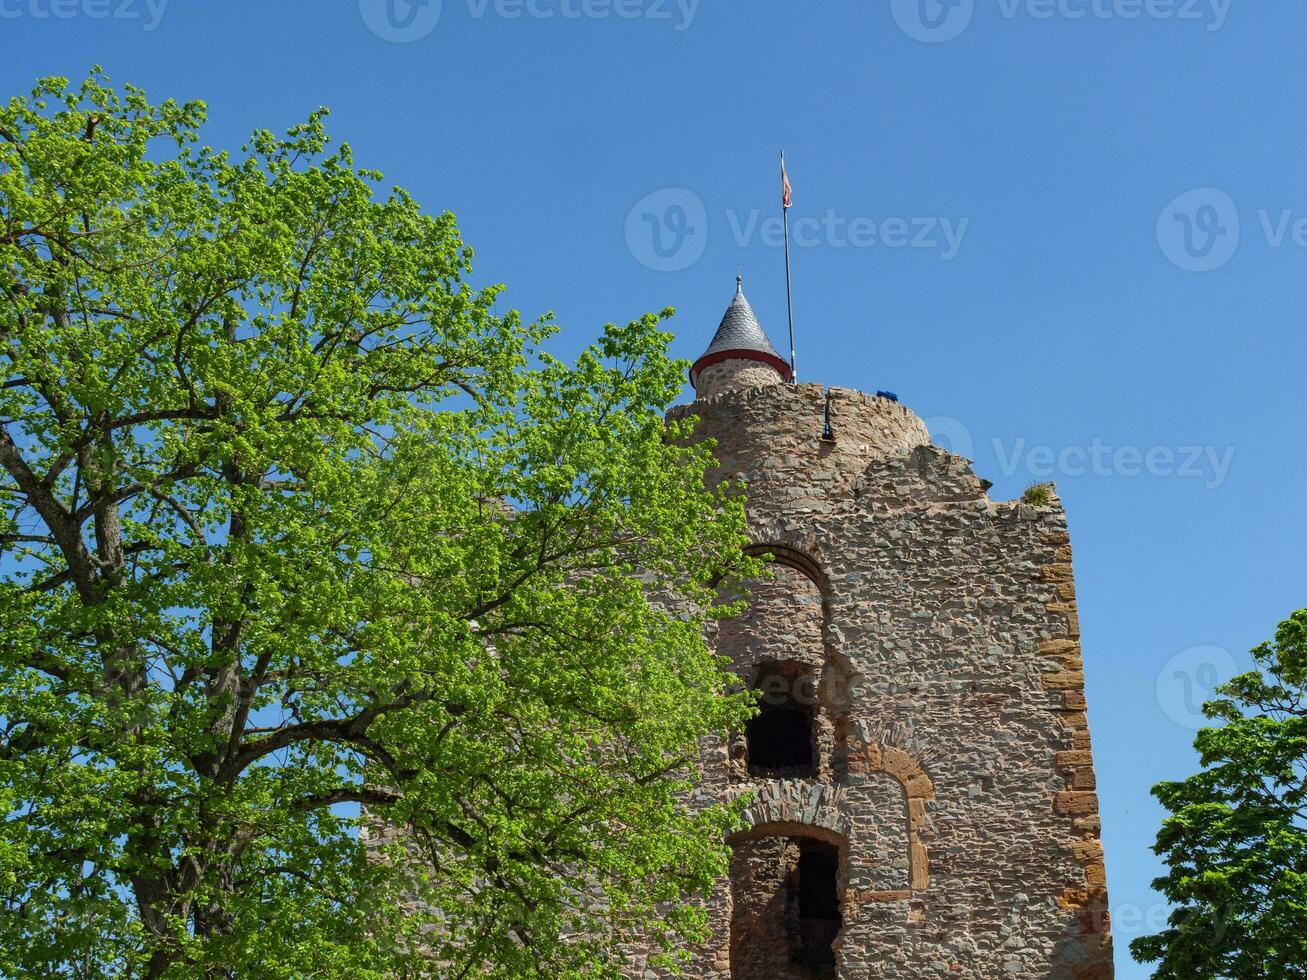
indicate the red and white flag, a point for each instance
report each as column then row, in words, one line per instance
column 786, row 190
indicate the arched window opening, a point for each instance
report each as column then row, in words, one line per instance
column 781, row 741
column 777, row 642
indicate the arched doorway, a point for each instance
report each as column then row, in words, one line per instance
column 787, row 907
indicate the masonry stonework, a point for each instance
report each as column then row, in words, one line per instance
column 922, row 758
column 733, row 373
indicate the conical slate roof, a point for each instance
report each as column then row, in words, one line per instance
column 740, row 337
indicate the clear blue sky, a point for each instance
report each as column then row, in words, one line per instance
column 1069, row 317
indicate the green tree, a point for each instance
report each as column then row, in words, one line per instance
column 1236, row 842
column 297, row 528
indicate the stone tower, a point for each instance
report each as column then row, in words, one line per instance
column 924, row 799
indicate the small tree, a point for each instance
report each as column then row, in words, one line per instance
column 1236, row 842
column 293, row 523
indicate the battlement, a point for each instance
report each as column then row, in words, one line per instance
column 803, row 435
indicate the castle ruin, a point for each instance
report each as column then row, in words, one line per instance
column 923, row 789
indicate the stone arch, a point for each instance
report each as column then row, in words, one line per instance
column 801, row 551
column 918, row 791
column 783, row 635
column 798, row 558
column 797, row 563
column 786, row 807
column 784, row 619
column 796, row 843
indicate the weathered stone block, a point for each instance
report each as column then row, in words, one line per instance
column 1064, row 680
column 1075, row 758
column 1075, row 802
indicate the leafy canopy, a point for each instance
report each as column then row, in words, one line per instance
column 300, row 534
column 1236, row 842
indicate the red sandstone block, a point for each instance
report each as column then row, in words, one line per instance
column 1064, row 680
column 1057, row 648
column 1058, row 572
column 1075, row 802
column 1094, row 971
column 1084, row 779
column 891, row 896
column 1075, row 758
column 920, row 867
column 916, row 813
column 1074, row 701
column 1087, row 850
column 1094, row 921
column 919, row 787
column 898, row 763
column 1091, row 825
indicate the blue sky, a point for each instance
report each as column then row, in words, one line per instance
column 1064, row 231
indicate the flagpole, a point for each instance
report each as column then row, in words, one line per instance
column 789, row 294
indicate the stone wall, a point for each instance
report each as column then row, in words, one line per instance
column 954, row 771
column 733, row 374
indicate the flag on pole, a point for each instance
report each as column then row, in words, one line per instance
column 789, row 294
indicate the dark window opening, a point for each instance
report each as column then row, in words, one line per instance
column 780, row 741
column 818, row 904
